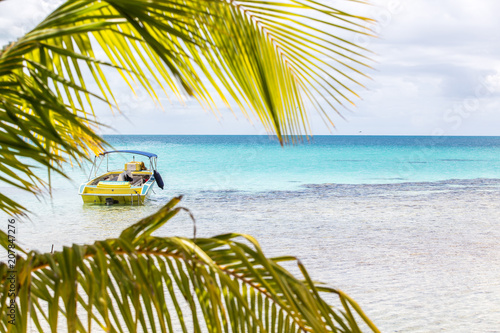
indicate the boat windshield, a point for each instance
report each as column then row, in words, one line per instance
column 119, row 160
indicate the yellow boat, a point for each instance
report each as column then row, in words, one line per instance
column 130, row 185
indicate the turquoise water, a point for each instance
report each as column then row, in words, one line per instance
column 256, row 163
column 408, row 226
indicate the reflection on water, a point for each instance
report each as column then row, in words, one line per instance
column 419, row 257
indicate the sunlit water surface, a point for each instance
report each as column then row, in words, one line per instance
column 408, row 226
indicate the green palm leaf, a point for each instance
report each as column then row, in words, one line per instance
column 275, row 59
column 138, row 282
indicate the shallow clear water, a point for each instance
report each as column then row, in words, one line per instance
column 408, row 226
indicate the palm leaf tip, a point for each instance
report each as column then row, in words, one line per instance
column 148, row 225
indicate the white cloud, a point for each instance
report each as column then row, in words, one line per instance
column 17, row 17
column 431, row 57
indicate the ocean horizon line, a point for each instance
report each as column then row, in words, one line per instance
column 319, row 135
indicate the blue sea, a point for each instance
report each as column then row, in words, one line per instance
column 408, row 226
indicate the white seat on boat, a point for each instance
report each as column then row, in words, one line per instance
column 121, row 177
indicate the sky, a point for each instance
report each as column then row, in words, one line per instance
column 436, row 72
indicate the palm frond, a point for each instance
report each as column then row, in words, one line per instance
column 138, row 282
column 275, row 59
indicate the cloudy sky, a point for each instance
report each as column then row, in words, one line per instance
column 437, row 72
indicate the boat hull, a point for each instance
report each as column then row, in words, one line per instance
column 115, row 192
column 117, row 199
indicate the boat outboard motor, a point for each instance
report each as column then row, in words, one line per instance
column 159, row 181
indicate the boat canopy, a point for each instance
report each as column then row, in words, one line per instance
column 138, row 152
